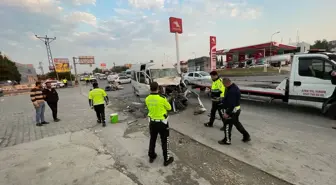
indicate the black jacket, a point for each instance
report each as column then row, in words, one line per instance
column 51, row 96
column 231, row 98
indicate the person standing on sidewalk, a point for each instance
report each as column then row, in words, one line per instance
column 217, row 93
column 51, row 97
column 231, row 104
column 37, row 97
column 158, row 106
column 97, row 99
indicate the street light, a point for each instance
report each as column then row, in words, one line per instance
column 269, row 60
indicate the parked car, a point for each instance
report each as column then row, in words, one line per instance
column 102, row 77
column 111, row 78
column 191, row 77
column 123, row 80
column 54, row 84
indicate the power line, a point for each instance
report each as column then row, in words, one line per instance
column 47, row 40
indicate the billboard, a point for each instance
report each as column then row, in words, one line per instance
column 86, row 60
column 61, row 65
column 103, row 65
column 175, row 25
column 213, row 57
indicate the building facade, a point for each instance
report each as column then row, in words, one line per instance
column 28, row 73
column 199, row 64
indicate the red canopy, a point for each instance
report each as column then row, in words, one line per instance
column 254, row 48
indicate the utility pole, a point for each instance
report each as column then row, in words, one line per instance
column 41, row 67
column 47, row 40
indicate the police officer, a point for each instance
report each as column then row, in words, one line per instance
column 158, row 106
column 97, row 98
column 217, row 93
column 231, row 104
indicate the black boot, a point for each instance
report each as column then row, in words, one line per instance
column 169, row 161
column 44, row 123
column 224, row 142
column 151, row 159
column 246, row 139
column 208, row 124
column 39, row 124
column 104, row 124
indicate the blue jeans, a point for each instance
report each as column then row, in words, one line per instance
column 40, row 113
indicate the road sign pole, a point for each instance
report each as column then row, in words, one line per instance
column 177, row 54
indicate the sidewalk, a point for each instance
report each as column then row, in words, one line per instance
column 298, row 147
column 17, row 120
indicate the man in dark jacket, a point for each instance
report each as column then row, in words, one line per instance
column 51, row 97
column 231, row 104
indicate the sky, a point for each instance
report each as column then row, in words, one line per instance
column 132, row 31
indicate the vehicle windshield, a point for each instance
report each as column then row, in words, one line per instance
column 161, row 73
column 204, row 73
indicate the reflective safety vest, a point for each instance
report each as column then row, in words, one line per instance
column 97, row 95
column 218, row 86
column 157, row 106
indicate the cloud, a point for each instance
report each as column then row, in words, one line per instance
column 136, row 33
column 147, row 4
column 83, row 17
column 83, row 2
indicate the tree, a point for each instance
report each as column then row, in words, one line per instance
column 119, row 69
column 97, row 70
column 61, row 76
column 9, row 70
column 322, row 44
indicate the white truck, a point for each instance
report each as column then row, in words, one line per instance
column 312, row 82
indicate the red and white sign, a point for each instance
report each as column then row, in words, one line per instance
column 86, row 60
column 229, row 57
column 103, row 65
column 61, row 60
column 213, row 57
column 175, row 25
column 259, row 54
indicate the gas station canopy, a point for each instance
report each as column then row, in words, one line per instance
column 257, row 48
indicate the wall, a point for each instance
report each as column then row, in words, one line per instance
column 28, row 73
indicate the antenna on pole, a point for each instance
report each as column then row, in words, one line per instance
column 47, row 40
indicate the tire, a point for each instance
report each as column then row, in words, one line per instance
column 186, row 82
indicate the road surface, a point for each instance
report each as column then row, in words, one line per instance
column 292, row 143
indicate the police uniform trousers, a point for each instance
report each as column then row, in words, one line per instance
column 100, row 112
column 158, row 128
column 234, row 120
column 216, row 107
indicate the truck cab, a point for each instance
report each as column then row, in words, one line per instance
column 311, row 82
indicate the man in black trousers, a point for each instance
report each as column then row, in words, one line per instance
column 231, row 105
column 51, row 97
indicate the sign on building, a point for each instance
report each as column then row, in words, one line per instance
column 61, row 65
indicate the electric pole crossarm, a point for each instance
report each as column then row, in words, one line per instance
column 47, row 40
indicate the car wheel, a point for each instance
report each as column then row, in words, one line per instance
column 186, row 82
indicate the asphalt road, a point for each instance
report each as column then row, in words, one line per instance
column 293, row 143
